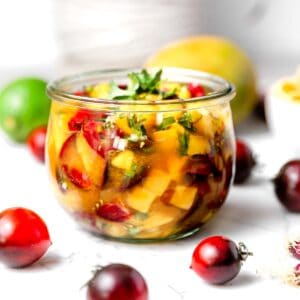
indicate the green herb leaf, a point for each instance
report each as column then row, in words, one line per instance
column 186, row 121
column 136, row 125
column 142, row 82
column 169, row 94
column 183, row 143
column 166, row 122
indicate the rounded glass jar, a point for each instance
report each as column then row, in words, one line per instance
column 162, row 186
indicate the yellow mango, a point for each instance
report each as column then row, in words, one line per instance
column 205, row 126
column 198, row 145
column 156, row 182
column 123, row 160
column 175, row 164
column 100, row 90
column 184, row 93
column 140, row 199
column 183, row 197
column 161, row 215
column 60, row 129
column 166, row 140
column 122, row 123
column 93, row 163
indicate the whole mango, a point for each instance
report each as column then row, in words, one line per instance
column 215, row 55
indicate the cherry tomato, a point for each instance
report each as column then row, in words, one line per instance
column 24, row 237
column 36, row 142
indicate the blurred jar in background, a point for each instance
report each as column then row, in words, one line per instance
column 96, row 34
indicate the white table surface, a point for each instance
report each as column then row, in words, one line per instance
column 251, row 214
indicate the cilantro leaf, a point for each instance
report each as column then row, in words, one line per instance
column 139, row 82
column 166, row 122
column 186, row 121
column 183, row 143
column 136, row 125
column 172, row 94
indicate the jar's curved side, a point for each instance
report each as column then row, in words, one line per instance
column 162, row 187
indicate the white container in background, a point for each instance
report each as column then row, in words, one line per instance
column 283, row 114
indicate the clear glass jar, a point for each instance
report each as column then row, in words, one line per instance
column 181, row 178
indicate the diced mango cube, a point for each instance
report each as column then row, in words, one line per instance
column 157, row 182
column 166, row 140
column 140, row 199
column 122, row 123
column 100, row 90
column 175, row 164
column 123, row 160
column 198, row 145
column 204, row 126
column 178, row 128
column 184, row 92
column 183, row 197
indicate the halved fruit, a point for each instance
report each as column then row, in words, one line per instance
column 140, row 199
column 93, row 163
column 72, row 165
column 99, row 138
column 183, row 197
column 113, row 212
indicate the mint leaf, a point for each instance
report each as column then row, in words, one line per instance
column 183, row 143
column 139, row 82
column 166, row 122
column 186, row 121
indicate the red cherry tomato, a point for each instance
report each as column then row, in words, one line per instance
column 36, row 142
column 218, row 259
column 196, row 90
column 24, row 237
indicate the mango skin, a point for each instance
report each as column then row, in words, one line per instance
column 218, row 56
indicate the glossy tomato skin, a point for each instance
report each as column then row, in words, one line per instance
column 24, row 237
column 36, row 143
column 287, row 185
column 245, row 162
column 216, row 260
column 117, row 282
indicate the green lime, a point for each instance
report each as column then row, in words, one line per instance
column 24, row 106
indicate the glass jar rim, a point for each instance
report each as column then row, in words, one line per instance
column 224, row 93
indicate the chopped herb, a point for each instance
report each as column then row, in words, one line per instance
column 166, row 122
column 186, row 121
column 169, row 94
column 142, row 82
column 183, row 143
column 132, row 171
column 136, row 125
